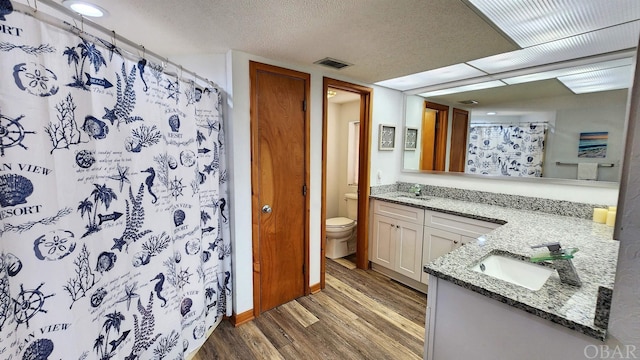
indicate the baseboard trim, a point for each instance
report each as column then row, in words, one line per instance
column 315, row 288
column 243, row 317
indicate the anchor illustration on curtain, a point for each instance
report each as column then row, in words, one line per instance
column 114, row 219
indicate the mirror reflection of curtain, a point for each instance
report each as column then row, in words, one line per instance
column 506, row 149
column 114, row 216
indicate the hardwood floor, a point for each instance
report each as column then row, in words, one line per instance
column 359, row 315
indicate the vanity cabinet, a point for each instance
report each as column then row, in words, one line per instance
column 444, row 233
column 398, row 238
column 405, row 238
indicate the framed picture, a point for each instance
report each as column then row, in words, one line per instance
column 593, row 144
column 387, row 137
column 410, row 138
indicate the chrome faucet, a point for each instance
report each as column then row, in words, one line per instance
column 416, row 189
column 561, row 262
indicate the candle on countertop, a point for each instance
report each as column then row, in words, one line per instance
column 600, row 215
column 613, row 208
column 611, row 218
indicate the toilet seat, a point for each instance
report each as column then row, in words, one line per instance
column 339, row 223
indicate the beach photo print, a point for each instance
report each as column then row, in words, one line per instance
column 593, row 144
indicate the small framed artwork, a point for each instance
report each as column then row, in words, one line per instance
column 387, row 137
column 593, row 144
column 410, row 138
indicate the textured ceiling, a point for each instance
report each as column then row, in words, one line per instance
column 382, row 38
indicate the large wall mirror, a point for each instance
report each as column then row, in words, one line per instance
column 533, row 130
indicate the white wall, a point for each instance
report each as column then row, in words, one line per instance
column 604, row 111
column 349, row 112
column 339, row 116
column 387, row 110
column 333, row 159
column 208, row 66
column 413, row 115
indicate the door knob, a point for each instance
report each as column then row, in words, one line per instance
column 266, row 209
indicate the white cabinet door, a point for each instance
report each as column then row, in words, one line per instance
column 409, row 249
column 436, row 243
column 383, row 249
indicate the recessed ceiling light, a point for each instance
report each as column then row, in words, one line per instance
column 85, row 8
column 492, row 113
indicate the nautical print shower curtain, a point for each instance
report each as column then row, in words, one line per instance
column 506, row 150
column 114, row 239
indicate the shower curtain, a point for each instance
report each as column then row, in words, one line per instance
column 506, row 149
column 114, row 237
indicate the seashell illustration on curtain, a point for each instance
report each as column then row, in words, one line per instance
column 114, row 217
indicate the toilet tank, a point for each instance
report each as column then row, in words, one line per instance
column 352, row 205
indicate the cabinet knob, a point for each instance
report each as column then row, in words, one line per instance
column 397, row 226
column 455, row 241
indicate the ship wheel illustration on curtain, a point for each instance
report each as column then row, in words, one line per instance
column 12, row 133
column 114, row 210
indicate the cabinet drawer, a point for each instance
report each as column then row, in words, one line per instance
column 458, row 224
column 400, row 212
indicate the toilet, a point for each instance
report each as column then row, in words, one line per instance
column 341, row 231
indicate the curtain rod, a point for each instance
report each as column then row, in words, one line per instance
column 27, row 9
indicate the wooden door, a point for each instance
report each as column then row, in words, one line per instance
column 428, row 139
column 435, row 144
column 279, row 176
column 459, row 131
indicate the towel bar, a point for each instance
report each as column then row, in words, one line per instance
column 576, row 164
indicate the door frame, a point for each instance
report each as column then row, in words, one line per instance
column 364, row 166
column 254, row 68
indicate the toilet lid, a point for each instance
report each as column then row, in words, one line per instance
column 339, row 222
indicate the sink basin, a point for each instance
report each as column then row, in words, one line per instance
column 518, row 272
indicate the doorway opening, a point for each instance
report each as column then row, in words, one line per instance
column 345, row 167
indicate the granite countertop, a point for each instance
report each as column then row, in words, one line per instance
column 572, row 307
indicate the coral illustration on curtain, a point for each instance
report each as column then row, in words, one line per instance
column 506, row 150
column 114, row 219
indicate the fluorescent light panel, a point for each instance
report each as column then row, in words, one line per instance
column 530, row 23
column 568, row 71
column 601, row 80
column 478, row 86
column 432, row 77
column 565, row 28
column 616, row 38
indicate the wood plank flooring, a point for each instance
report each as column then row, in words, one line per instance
column 359, row 315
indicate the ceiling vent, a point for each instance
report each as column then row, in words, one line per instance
column 333, row 63
column 468, row 102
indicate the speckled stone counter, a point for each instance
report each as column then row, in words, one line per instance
column 572, row 307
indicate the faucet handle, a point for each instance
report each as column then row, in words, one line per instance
column 554, row 247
